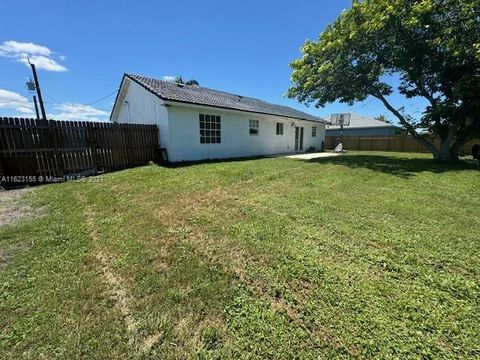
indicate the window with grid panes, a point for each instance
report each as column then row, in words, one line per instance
column 210, row 129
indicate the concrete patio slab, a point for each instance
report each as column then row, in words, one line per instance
column 311, row 156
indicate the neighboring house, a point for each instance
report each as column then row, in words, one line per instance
column 364, row 126
column 196, row 123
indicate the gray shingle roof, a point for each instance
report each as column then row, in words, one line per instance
column 171, row 91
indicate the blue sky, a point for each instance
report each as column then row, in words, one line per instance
column 83, row 47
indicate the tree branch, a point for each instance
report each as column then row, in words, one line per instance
column 411, row 130
column 423, row 91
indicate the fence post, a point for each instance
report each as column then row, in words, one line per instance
column 3, row 145
column 92, row 136
column 52, row 126
column 126, row 136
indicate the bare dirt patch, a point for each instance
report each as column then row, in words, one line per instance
column 11, row 209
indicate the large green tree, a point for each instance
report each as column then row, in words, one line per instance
column 433, row 46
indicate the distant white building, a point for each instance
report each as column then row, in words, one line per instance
column 197, row 123
column 364, row 126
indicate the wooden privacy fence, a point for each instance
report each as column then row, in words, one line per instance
column 400, row 143
column 38, row 151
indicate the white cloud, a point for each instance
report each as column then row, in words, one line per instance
column 41, row 56
column 15, row 47
column 169, row 78
column 43, row 62
column 77, row 112
column 24, row 110
column 14, row 103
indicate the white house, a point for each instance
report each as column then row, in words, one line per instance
column 196, row 123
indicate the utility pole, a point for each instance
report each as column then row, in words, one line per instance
column 36, row 107
column 39, row 92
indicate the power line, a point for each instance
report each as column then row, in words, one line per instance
column 18, row 101
column 103, row 98
column 14, row 101
column 365, row 104
column 56, row 102
column 87, row 104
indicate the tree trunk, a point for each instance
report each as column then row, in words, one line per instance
column 448, row 148
column 447, row 151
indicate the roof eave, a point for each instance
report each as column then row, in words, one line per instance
column 117, row 96
column 207, row 105
column 170, row 101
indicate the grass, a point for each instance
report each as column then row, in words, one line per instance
column 365, row 255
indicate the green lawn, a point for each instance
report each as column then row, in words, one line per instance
column 365, row 255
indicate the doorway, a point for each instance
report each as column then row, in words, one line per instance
column 298, row 138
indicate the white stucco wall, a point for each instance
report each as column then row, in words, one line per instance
column 236, row 141
column 138, row 106
column 180, row 134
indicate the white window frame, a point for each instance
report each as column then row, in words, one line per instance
column 210, row 129
column 314, row 131
column 255, row 126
